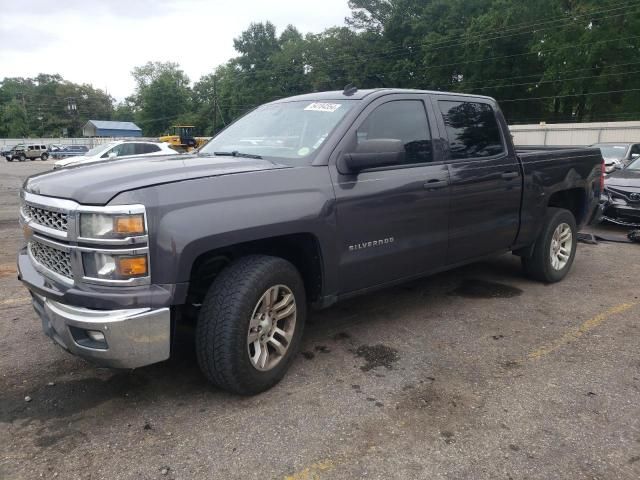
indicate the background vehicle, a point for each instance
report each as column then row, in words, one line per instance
column 117, row 149
column 306, row 200
column 54, row 147
column 618, row 155
column 5, row 151
column 621, row 197
column 69, row 151
column 23, row 152
column 181, row 137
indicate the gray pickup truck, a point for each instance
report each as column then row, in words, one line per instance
column 302, row 202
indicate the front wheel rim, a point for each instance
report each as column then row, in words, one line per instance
column 271, row 327
column 561, row 246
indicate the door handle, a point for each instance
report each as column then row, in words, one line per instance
column 510, row 175
column 435, row 183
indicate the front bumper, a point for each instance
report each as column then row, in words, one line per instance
column 133, row 337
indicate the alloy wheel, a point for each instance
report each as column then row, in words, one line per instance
column 561, row 246
column 271, row 328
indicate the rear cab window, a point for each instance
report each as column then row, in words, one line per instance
column 472, row 129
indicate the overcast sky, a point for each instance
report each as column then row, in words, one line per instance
column 99, row 42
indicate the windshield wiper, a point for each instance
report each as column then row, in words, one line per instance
column 236, row 153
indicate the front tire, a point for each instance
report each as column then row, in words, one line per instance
column 250, row 324
column 22, row 157
column 44, row 157
column 555, row 247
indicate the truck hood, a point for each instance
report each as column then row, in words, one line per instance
column 623, row 178
column 97, row 183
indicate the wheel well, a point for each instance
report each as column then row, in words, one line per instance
column 573, row 200
column 301, row 249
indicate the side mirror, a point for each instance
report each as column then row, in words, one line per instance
column 112, row 155
column 635, row 156
column 383, row 152
column 618, row 166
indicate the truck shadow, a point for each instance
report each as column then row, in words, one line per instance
column 179, row 380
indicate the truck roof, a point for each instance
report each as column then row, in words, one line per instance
column 360, row 94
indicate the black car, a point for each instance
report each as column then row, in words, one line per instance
column 621, row 197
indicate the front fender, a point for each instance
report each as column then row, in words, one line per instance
column 189, row 218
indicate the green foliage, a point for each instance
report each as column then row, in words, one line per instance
column 545, row 60
column 542, row 59
column 162, row 95
column 39, row 106
column 14, row 122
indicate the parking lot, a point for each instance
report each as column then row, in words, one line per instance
column 477, row 373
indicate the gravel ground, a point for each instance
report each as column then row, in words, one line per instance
column 475, row 373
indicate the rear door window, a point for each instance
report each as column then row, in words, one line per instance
column 472, row 129
column 146, row 148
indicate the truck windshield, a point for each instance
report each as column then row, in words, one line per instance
column 291, row 130
column 612, row 151
column 635, row 165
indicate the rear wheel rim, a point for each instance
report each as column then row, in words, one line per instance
column 561, row 246
column 271, row 327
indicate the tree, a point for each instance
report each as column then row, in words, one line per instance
column 45, row 99
column 14, row 122
column 162, row 95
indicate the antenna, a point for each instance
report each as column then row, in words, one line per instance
column 350, row 90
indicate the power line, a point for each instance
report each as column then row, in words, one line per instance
column 236, row 73
column 569, row 95
column 557, row 80
column 538, row 74
column 452, row 43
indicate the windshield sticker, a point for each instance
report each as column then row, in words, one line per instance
column 323, row 107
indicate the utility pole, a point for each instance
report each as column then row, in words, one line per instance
column 72, row 110
column 215, row 104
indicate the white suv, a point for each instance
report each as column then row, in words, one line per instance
column 117, row 149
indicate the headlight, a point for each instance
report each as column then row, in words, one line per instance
column 101, row 225
column 106, row 266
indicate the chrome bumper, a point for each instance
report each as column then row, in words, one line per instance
column 132, row 337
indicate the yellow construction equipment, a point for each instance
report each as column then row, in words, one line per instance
column 181, row 137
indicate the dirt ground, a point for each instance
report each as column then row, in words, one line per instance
column 477, row 373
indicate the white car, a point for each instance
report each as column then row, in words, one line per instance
column 117, row 149
column 618, row 155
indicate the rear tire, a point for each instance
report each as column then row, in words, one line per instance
column 232, row 326
column 555, row 247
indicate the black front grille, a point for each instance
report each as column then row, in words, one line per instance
column 46, row 218
column 57, row 261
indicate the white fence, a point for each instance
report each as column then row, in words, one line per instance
column 575, row 133
column 539, row 134
column 89, row 142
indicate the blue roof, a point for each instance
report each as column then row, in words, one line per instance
column 109, row 125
